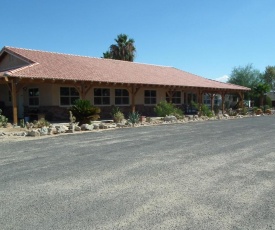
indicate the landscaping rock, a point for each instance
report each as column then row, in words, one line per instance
column 34, row 133
column 170, row 119
column 70, row 131
column 87, row 127
column 61, row 129
column 226, row 115
column 52, row 130
column 44, row 131
column 96, row 126
column 103, row 126
column 77, row 128
column 112, row 125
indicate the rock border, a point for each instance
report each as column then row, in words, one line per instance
column 55, row 130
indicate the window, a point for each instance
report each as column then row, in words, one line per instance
column 206, row 100
column 150, row 97
column 191, row 97
column 101, row 96
column 68, row 95
column 34, row 97
column 176, row 97
column 121, row 97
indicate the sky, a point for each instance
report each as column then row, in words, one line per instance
column 204, row 37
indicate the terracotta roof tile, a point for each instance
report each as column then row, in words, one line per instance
column 48, row 65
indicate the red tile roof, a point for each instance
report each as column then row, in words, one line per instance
column 48, row 65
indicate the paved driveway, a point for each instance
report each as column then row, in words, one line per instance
column 208, row 175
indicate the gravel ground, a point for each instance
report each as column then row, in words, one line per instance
column 204, row 175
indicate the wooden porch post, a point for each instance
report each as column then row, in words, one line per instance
column 223, row 101
column 200, row 100
column 14, row 102
column 212, row 101
column 134, row 92
column 170, row 95
column 241, row 94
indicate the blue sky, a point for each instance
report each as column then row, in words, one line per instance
column 204, row 37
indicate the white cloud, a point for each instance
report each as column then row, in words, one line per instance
column 224, row 78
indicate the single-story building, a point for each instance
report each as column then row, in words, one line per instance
column 38, row 82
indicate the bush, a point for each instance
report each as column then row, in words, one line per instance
column 216, row 109
column 117, row 115
column 268, row 111
column 165, row 108
column 3, row 120
column 133, row 118
column 85, row 112
column 203, row 109
column 259, row 111
column 268, row 101
column 265, row 107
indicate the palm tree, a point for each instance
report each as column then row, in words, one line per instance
column 260, row 90
column 123, row 50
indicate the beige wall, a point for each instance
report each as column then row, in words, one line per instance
column 10, row 61
column 50, row 95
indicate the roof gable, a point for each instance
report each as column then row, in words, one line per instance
column 9, row 60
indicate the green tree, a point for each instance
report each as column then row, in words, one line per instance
column 260, row 90
column 245, row 76
column 124, row 49
column 269, row 76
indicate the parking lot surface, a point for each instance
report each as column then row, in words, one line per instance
column 204, row 175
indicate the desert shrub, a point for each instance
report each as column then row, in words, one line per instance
column 204, row 110
column 259, row 111
column 268, row 101
column 216, row 109
column 85, row 112
column 165, row 108
column 3, row 120
column 117, row 115
column 265, row 107
column 243, row 111
column 133, row 118
column 268, row 111
column 40, row 123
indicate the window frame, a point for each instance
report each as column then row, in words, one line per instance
column 31, row 97
column 174, row 97
column 102, row 97
column 150, row 97
column 121, row 97
column 69, row 96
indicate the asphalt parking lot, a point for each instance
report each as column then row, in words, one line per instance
column 204, row 175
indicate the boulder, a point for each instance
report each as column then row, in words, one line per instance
column 43, row 131
column 34, row 133
column 61, row 129
column 170, row 119
column 87, row 127
column 112, row 125
column 52, row 130
column 77, row 128
column 96, row 126
column 103, row 126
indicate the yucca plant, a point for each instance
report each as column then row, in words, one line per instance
column 84, row 111
column 133, row 118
